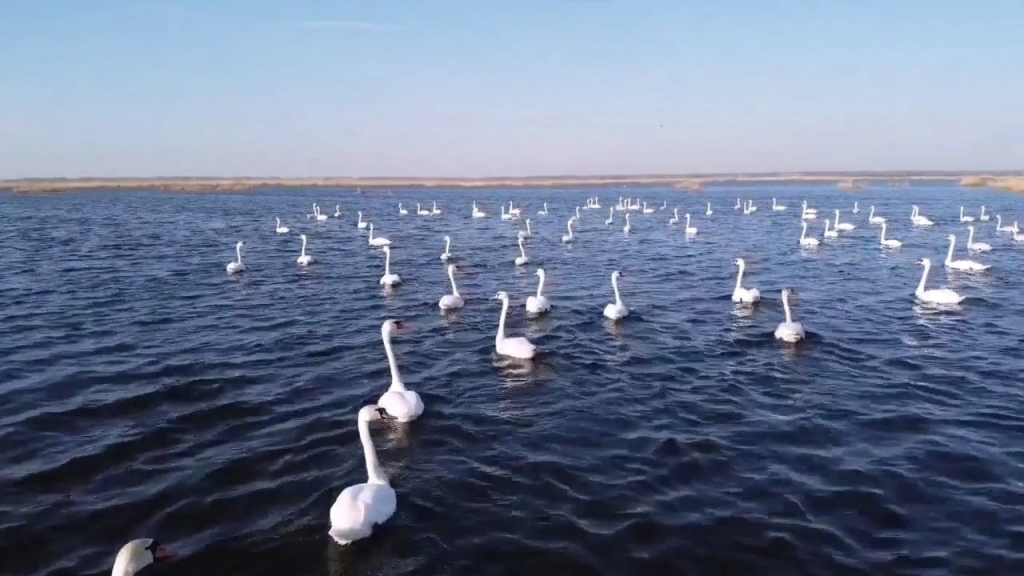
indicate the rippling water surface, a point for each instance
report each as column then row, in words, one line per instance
column 144, row 392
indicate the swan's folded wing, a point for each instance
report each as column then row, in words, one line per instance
column 348, row 514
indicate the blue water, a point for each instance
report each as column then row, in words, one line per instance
column 144, row 392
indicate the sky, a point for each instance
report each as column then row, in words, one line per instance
column 476, row 88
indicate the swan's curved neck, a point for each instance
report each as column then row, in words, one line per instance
column 803, row 229
column 303, row 252
column 447, row 244
column 374, row 473
column 970, row 231
column 949, row 254
column 882, row 238
column 872, row 214
column 569, row 226
column 238, row 252
column 540, row 286
column 999, row 221
column 739, row 276
column 522, row 251
column 836, row 224
column 982, row 210
column 396, row 377
column 371, row 230
column 501, row 321
column 360, row 216
column 961, row 211
column 785, row 307
column 278, row 222
column 924, row 277
column 451, row 276
column 615, row 288
column 675, row 212
column 528, row 231
column 687, row 220
column 387, row 262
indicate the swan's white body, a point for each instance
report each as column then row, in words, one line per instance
column 538, row 304
column 505, row 215
column 478, row 213
column 1018, row 237
column 303, row 259
column 856, row 208
column 983, row 217
column 936, row 296
column 965, row 218
column 236, row 266
column 875, row 219
column 526, row 233
column 673, row 220
column 378, row 240
column 402, row 211
column 360, row 223
column 1001, row 228
column 888, row 242
column 515, row 347
column 616, row 310
column 965, row 265
column 789, row 331
column 544, row 211
column 919, row 220
column 708, row 212
column 136, row 555
column 776, row 207
column 513, row 211
column 420, row 211
column 447, row 254
column 280, row 229
column 611, row 217
column 647, row 210
column 522, row 259
column 976, row 246
column 436, row 210
column 362, row 506
column 627, row 228
column 319, row 216
column 690, row 230
column 739, row 293
column 805, row 210
column 842, row 226
column 399, row 402
column 568, row 237
column 806, row 240
column 830, row 233
column 389, row 279
column 454, row 300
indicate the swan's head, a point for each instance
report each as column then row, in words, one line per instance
column 389, row 327
column 787, row 292
column 739, row 261
column 372, row 412
column 447, row 238
column 239, row 244
column 687, row 215
column 303, row 236
column 540, row 272
column 503, row 296
column 616, row 275
column 970, row 228
column 137, row 554
column 925, row 261
column 951, row 237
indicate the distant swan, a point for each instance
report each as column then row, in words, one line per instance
column 538, row 304
column 616, row 310
column 436, row 210
column 937, row 296
column 919, row 220
column 137, row 554
column 577, row 212
column 544, row 211
column 402, row 211
column 454, row 300
column 708, row 212
column 337, row 210
column 673, row 220
column 777, row 207
column 447, row 254
column 976, row 246
column 738, row 205
column 611, row 216
column 875, row 219
column 362, row 506
column 280, row 229
column 526, row 233
column 983, row 217
column 478, row 213
column 319, row 216
column 522, row 259
column 965, row 265
column 965, row 218
column 513, row 211
column 806, row 240
column 516, row 347
column 888, row 242
column 739, row 293
column 399, row 402
column 856, row 208
column 360, row 223
column 568, row 237
column 647, row 210
column 690, row 230
column 379, row 240
column 627, row 228
column 236, row 266
column 304, row 259
column 420, row 211
column 789, row 331
column 505, row 215
column 389, row 279
column 830, row 233
column 842, row 226
column 1000, row 227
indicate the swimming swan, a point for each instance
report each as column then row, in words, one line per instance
column 611, row 216
column 505, row 215
column 379, row 240
column 856, row 208
column 319, row 216
column 304, row 259
column 888, row 242
column 983, row 217
column 513, row 211
column 137, row 554
column 337, row 210
column 478, row 213
column 362, row 506
column 568, row 237
column 399, row 402
column 616, row 310
column 447, row 254
column 544, row 211
column 516, row 347
column 875, row 219
column 690, row 230
column 361, row 224
column 777, row 207
column 806, row 240
column 647, row 210
column 789, row 331
column 538, row 304
column 402, row 211
column 420, row 211
column 842, row 226
column 965, row 218
column 526, row 233
column 976, row 246
column 280, row 229
column 627, row 228
column 674, row 219
column 389, row 279
column 454, row 300
column 966, row 265
column 708, row 212
column 919, row 220
column 236, row 266
column 739, row 293
column 830, row 233
column 436, row 210
column 937, row 296
column 522, row 259
column 1000, row 227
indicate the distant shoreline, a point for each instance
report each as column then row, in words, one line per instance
column 1013, row 181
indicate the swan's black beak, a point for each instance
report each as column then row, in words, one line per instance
column 160, row 554
column 398, row 324
column 384, row 414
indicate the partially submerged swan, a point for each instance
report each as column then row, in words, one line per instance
column 538, row 304
column 304, row 259
column 137, row 554
column 454, row 300
column 389, row 279
column 522, row 259
column 935, row 296
column 616, row 310
column 236, row 266
column 739, row 293
column 965, row 265
column 789, row 331
column 515, row 347
column 362, row 506
column 399, row 402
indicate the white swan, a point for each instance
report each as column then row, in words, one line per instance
column 708, row 212
column 522, row 259
column 447, row 254
column 505, row 215
column 1018, row 237
column 568, row 237
column 360, row 223
column 137, row 554
column 453, row 300
column 806, row 240
column 675, row 216
column 236, row 266
column 526, row 233
column 538, row 304
column 544, row 211
column 319, row 215
column 856, row 208
column 690, row 230
column 362, row 506
column 936, row 296
column 664, row 204
column 420, row 211
column 976, row 246
column 379, row 240
column 389, row 279
column 750, row 207
column 965, row 218
column 647, row 210
column 616, row 310
column 577, row 212
column 738, row 206
column 830, row 233
column 842, row 226
column 777, row 207
column 888, row 242
column 966, row 265
column 280, row 229
column 337, row 210
column 789, row 331
column 919, row 220
column 739, row 293
column 516, row 347
column 304, row 259
column 513, row 211
column 399, row 402
column 1000, row 227
column 983, row 217
column 611, row 214
column 402, row 211
column 478, row 213
column 806, row 214
column 806, row 210
column 436, row 210
column 627, row 228
column 875, row 219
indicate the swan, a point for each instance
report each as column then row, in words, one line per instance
column 739, row 293
column 856, row 208
column 522, row 258
column 750, row 207
column 664, row 204
column 842, row 226
column 627, row 228
column 453, row 300
column 789, row 331
column 611, row 214
column 538, row 304
column 389, row 279
column 280, row 229
column 513, row 211
column 806, row 210
column 806, row 214
column 379, row 240
column 621, row 205
column 976, row 246
column 806, row 240
column 937, row 296
column 544, row 211
column 360, row 223
column 402, row 211
column 777, row 207
column 983, row 217
column 616, row 310
column 436, row 210
column 737, row 206
column 319, row 215
column 875, row 219
column 919, row 220
column 420, row 211
column 888, row 242
column 337, row 210
column 478, row 213
column 965, row 218
column 447, row 254
column 830, row 233
column 236, row 266
column 708, row 212
column 1018, row 237
column 304, row 259
column 597, row 203
column 647, row 210
column 516, row 347
column 137, row 554
column 675, row 216
column 690, row 230
column 526, row 233
column 505, row 215
column 399, row 402
column 568, row 237
column 577, row 212
column 361, row 506
column 1000, row 227
column 966, row 265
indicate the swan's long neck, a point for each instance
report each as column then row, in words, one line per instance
column 278, row 222
column 387, row 262
column 238, row 252
column 374, row 473
column 522, row 251
column 528, row 231
column 447, row 244
column 540, row 286
column 371, row 230
column 687, row 220
column 501, row 321
column 872, row 214
column 970, row 231
column 739, row 277
column 826, row 225
column 611, row 212
column 785, row 306
column 360, row 217
column 982, row 210
column 303, row 252
column 961, row 212
column 836, row 224
column 675, row 212
column 803, row 229
column 949, row 254
column 451, row 276
column 627, row 219
column 999, row 221
column 396, row 377
column 882, row 238
column 569, row 226
column 924, row 277
column 615, row 288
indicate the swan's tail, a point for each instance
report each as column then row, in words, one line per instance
column 347, row 535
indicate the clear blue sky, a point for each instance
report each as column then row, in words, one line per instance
column 507, row 87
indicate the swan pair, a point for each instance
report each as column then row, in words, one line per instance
column 965, row 265
column 389, row 279
column 316, row 212
column 935, row 296
column 280, row 229
column 616, row 310
column 236, row 266
column 138, row 554
column 789, row 331
column 1000, row 228
column 807, row 213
